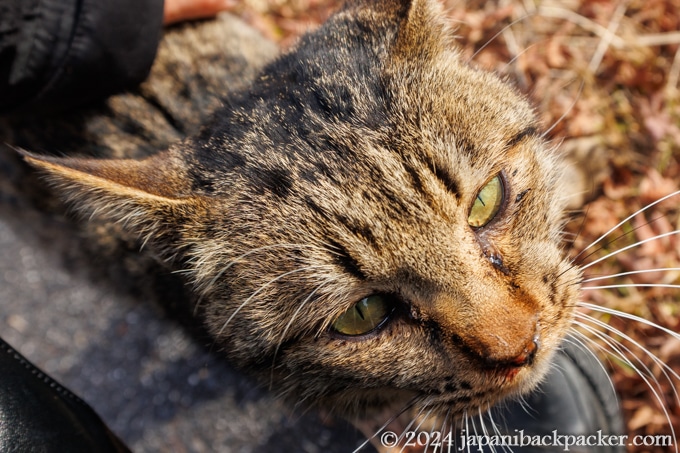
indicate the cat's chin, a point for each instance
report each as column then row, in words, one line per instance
column 410, row 412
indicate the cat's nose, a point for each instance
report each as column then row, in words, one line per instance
column 526, row 357
column 496, row 351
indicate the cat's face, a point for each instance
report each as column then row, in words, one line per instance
column 373, row 223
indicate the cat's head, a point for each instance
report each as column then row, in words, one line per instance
column 373, row 222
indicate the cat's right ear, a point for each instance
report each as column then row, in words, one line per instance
column 151, row 196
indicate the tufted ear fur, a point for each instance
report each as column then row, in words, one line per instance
column 424, row 30
column 152, row 197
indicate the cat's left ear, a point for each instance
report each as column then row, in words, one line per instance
column 148, row 196
column 424, row 30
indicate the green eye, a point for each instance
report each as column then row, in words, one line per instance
column 367, row 314
column 487, row 204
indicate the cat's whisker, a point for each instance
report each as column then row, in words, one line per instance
column 632, row 285
column 443, row 430
column 616, row 349
column 628, row 247
column 422, row 418
column 632, row 317
column 406, row 407
column 290, row 323
column 567, row 111
column 482, row 424
column 623, row 274
column 613, row 241
column 497, row 431
column 617, row 353
column 262, row 288
column 502, row 30
column 624, row 221
column 580, row 342
column 621, row 349
column 205, row 287
column 574, row 281
column 664, row 368
column 466, row 418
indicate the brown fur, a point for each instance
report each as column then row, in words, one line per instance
column 348, row 168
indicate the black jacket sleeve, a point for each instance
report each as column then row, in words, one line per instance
column 57, row 54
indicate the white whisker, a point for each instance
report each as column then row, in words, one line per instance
column 416, row 417
column 654, row 358
column 625, row 359
column 579, row 343
column 621, row 250
column 620, row 348
column 622, row 314
column 406, row 407
column 497, row 431
column 443, row 429
column 566, row 112
column 639, row 211
column 490, row 40
column 290, row 322
column 262, row 288
column 623, row 274
column 632, row 285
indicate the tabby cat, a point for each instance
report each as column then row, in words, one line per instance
column 372, row 226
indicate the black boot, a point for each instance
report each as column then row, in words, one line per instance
column 38, row 414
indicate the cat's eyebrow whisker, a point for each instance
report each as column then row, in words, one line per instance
column 619, row 354
column 502, row 30
column 290, row 322
column 566, row 112
column 639, row 211
column 623, row 274
column 262, row 288
column 608, row 37
column 628, row 247
column 264, row 248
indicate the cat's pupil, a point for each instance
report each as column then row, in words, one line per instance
column 366, row 315
column 487, row 203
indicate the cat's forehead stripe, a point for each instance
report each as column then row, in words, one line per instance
column 529, row 131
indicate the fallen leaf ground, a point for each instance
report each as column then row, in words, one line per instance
column 603, row 75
